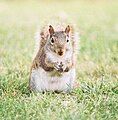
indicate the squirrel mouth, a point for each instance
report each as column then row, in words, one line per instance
column 60, row 53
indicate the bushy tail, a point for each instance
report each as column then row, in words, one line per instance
column 37, row 38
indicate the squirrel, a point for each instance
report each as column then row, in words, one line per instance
column 54, row 65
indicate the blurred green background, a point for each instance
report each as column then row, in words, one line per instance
column 96, row 98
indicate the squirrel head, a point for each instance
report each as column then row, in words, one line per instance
column 59, row 42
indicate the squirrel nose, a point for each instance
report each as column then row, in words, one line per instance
column 60, row 53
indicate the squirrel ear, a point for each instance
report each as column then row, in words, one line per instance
column 67, row 30
column 51, row 30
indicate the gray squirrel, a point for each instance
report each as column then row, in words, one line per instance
column 54, row 65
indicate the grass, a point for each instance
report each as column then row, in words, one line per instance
column 97, row 74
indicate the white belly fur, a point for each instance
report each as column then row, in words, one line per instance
column 42, row 81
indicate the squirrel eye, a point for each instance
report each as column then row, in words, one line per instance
column 67, row 40
column 52, row 40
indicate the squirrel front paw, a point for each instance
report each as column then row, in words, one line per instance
column 59, row 67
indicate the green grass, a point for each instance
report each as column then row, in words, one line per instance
column 97, row 74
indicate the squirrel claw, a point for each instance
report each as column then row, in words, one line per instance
column 58, row 67
column 60, row 70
